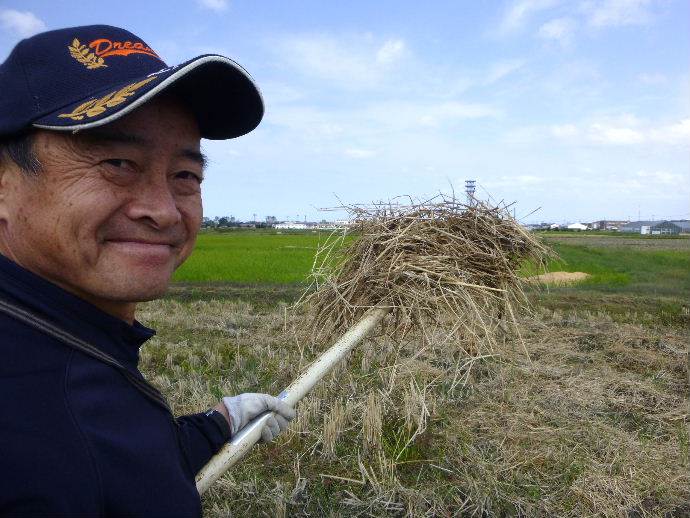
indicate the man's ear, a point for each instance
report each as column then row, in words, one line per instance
column 9, row 172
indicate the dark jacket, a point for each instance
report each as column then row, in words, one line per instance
column 77, row 438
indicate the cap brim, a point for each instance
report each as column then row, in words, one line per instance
column 221, row 94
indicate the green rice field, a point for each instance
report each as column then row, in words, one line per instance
column 630, row 275
column 617, row 264
column 251, row 257
column 660, row 270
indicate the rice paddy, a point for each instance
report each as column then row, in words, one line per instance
column 250, row 257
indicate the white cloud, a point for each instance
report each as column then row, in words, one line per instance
column 613, row 13
column 624, row 130
column 558, row 29
column 502, row 69
column 24, row 23
column 390, row 51
column 359, row 153
column 564, row 130
column 306, row 121
column 354, row 62
column 573, row 81
column 513, row 182
column 214, row 5
column 628, row 129
column 527, row 179
column 412, row 115
column 520, row 11
column 458, row 110
column 663, row 177
column 378, row 123
column 605, row 134
column 278, row 93
column 652, row 79
column 672, row 134
column 524, row 135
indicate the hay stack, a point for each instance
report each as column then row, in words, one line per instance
column 439, row 264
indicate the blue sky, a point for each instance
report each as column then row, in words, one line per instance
column 581, row 108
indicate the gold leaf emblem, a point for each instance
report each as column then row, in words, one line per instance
column 87, row 58
column 95, row 107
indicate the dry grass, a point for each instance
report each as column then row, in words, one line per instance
column 596, row 424
column 440, row 264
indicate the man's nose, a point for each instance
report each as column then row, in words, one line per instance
column 155, row 203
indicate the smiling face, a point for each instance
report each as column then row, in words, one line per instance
column 113, row 212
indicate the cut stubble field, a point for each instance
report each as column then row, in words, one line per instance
column 594, row 421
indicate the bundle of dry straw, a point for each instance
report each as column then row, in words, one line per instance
column 439, row 264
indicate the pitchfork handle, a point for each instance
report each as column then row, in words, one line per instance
column 232, row 452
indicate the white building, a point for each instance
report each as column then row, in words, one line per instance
column 334, row 225
column 577, row 226
column 290, row 225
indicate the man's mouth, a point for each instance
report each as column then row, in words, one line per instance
column 143, row 242
column 144, row 249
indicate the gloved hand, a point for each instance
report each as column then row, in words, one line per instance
column 245, row 407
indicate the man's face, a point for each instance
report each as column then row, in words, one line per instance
column 113, row 212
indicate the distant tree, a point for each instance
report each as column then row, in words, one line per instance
column 208, row 223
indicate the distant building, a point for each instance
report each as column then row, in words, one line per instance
column 608, row 224
column 684, row 225
column 533, row 226
column 636, row 226
column 577, row 226
column 290, row 225
column 334, row 225
column 665, row 228
column 653, row 228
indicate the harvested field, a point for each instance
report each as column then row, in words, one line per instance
column 596, row 422
column 593, row 423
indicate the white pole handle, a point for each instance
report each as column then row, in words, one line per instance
column 232, row 452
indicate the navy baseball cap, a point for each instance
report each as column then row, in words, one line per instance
column 82, row 77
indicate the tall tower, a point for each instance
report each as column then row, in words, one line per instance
column 469, row 191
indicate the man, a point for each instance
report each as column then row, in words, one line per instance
column 100, row 173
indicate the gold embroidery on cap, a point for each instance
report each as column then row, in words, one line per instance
column 95, row 107
column 87, row 58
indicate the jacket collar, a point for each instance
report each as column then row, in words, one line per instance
column 110, row 334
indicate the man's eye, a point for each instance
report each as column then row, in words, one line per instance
column 117, row 162
column 188, row 175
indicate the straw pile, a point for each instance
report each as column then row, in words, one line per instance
column 439, row 264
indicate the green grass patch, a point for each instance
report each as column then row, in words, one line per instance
column 251, row 257
column 631, row 284
column 650, row 272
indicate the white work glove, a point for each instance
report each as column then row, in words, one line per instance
column 245, row 407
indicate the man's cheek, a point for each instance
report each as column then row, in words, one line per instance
column 185, row 252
